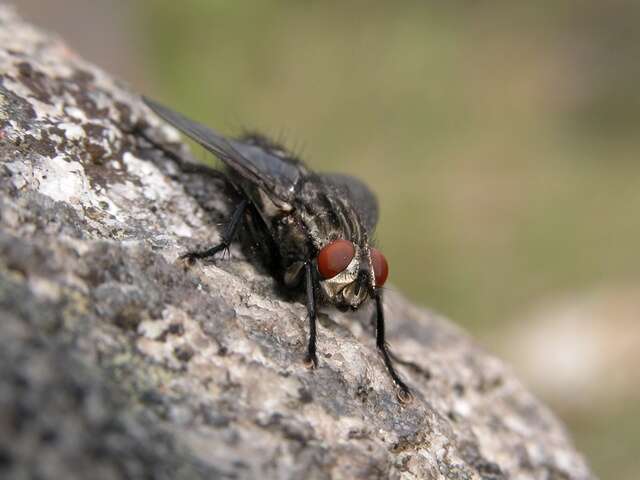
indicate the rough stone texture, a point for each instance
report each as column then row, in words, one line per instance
column 118, row 361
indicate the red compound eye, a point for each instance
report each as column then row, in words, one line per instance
column 335, row 257
column 380, row 266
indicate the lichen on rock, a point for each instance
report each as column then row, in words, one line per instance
column 117, row 360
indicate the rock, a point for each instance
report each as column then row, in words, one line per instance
column 119, row 361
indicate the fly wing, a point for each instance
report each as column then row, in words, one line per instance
column 358, row 195
column 266, row 171
column 270, row 160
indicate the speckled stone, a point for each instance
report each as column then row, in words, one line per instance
column 119, row 361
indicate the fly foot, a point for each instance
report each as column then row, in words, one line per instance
column 311, row 361
column 404, row 396
column 189, row 258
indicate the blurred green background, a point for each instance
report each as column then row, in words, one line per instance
column 502, row 139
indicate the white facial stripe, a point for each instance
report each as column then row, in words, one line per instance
column 349, row 274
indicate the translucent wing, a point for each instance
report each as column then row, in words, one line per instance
column 358, row 195
column 270, row 172
column 271, row 159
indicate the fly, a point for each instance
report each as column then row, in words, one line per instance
column 320, row 226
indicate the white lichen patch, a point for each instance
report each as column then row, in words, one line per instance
column 72, row 131
column 156, row 187
column 76, row 113
column 156, row 202
column 21, row 174
column 62, row 179
column 152, row 329
column 45, row 289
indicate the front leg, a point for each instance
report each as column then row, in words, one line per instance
column 404, row 394
column 311, row 359
column 227, row 236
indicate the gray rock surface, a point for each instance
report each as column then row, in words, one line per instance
column 119, row 361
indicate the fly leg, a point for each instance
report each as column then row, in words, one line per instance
column 227, row 236
column 404, row 395
column 311, row 359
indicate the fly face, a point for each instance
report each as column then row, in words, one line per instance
column 349, row 287
column 319, row 224
column 350, row 273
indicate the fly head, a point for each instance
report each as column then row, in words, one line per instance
column 350, row 273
